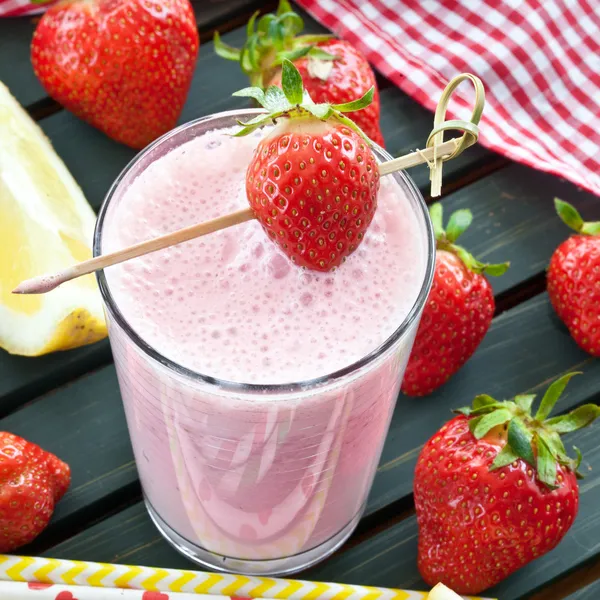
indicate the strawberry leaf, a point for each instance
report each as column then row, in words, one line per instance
column 361, row 102
column 506, row 456
column 484, row 400
column 319, row 54
column 436, row 213
column 321, row 111
column 491, row 420
column 252, row 92
column 546, row 465
column 458, row 224
column 568, row 214
column 250, row 24
column 284, row 7
column 225, row 50
column 497, row 269
column 524, row 402
column 552, row 394
column 519, row 439
column 291, row 82
column 275, row 99
column 576, row 419
column 291, row 55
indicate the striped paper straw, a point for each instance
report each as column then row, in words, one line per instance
column 176, row 584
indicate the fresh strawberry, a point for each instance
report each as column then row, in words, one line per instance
column 32, row 481
column 333, row 71
column 574, row 279
column 124, row 66
column 313, row 180
column 458, row 311
column 494, row 489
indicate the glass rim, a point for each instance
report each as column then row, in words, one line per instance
column 195, row 376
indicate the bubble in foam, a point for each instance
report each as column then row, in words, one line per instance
column 278, row 266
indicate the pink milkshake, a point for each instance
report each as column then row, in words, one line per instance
column 257, row 394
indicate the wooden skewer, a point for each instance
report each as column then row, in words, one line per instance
column 46, row 283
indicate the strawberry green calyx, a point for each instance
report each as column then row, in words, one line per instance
column 570, row 216
column 293, row 101
column 270, row 40
column 446, row 238
column 534, row 439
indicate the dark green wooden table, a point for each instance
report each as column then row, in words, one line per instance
column 69, row 402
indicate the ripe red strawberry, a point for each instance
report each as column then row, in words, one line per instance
column 458, row 312
column 333, row 71
column 574, row 279
column 124, row 66
column 313, row 180
column 494, row 489
column 32, row 481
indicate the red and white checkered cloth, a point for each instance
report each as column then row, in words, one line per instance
column 539, row 61
column 21, row 8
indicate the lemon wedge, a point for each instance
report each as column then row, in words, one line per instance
column 45, row 224
column 441, row 592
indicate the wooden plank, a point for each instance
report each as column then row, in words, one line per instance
column 15, row 66
column 507, row 363
column 387, row 559
column 23, row 378
column 16, row 35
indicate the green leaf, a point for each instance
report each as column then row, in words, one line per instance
column 312, row 38
column 458, row 224
column 552, row 395
column 519, row 439
column 275, row 99
column 465, row 410
column 291, row 54
column 250, row 25
column 483, row 400
column 555, row 445
column 321, row 111
column 474, row 423
column 436, row 213
column 491, row 420
column 568, row 214
column 264, row 23
column 225, row 50
column 579, row 458
column 576, row 419
column 276, row 34
column 291, row 82
column 292, row 24
column 361, row 102
column 546, row 464
column 591, row 228
column 252, row 92
column 319, row 54
column 496, row 270
column 284, row 7
column 524, row 402
column 506, row 456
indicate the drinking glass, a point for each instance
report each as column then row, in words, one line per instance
column 247, row 478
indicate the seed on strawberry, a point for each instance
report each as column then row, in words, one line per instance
column 124, row 66
column 574, row 279
column 32, row 481
column 458, row 312
column 313, row 180
column 495, row 489
column 333, row 71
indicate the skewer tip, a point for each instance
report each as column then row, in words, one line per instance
column 38, row 285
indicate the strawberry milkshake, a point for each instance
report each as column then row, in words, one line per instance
column 257, row 393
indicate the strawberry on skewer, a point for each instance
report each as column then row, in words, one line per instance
column 459, row 309
column 313, row 180
column 495, row 489
column 333, row 70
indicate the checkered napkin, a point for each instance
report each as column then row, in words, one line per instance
column 539, row 61
column 20, row 8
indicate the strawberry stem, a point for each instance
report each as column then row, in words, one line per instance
column 570, row 216
column 293, row 101
column 445, row 239
column 536, row 440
